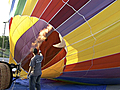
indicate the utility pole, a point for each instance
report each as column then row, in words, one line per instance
column 3, row 49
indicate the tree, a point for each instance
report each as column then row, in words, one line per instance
column 6, row 46
column 6, row 42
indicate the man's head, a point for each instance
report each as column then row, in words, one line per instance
column 35, row 51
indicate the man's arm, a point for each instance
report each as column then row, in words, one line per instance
column 30, row 69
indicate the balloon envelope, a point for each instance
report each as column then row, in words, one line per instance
column 89, row 28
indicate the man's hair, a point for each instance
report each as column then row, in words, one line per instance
column 35, row 51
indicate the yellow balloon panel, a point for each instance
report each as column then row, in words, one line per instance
column 79, row 33
column 109, row 47
column 80, row 51
column 105, row 18
column 11, row 59
column 54, row 70
column 30, row 4
column 71, row 51
column 108, row 34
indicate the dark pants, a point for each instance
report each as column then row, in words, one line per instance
column 34, row 82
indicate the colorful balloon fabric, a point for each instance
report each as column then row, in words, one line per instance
column 79, row 39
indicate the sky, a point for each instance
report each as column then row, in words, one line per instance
column 4, row 16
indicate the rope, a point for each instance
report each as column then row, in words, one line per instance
column 45, row 9
column 66, row 3
column 13, row 85
column 95, row 34
column 48, row 21
column 90, row 32
column 24, row 43
column 58, row 11
column 72, row 15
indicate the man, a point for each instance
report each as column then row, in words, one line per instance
column 35, row 71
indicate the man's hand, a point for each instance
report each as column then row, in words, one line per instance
column 27, row 76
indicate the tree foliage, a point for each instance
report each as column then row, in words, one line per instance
column 6, row 42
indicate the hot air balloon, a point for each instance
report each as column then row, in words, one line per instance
column 79, row 39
